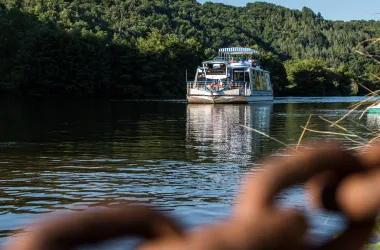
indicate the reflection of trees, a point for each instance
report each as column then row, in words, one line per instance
column 58, row 155
column 118, row 129
column 215, row 131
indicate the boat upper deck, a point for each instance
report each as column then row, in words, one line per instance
column 222, row 63
column 236, row 58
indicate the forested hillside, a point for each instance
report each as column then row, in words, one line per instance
column 142, row 48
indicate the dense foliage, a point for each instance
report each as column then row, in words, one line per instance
column 142, row 48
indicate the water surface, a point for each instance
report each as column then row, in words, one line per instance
column 185, row 159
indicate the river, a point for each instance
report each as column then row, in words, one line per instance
column 185, row 159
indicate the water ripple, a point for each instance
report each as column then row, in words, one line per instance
column 187, row 159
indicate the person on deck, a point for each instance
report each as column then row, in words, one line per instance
column 232, row 84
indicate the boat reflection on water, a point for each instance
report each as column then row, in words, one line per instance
column 216, row 134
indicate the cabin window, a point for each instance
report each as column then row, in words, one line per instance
column 258, row 81
column 268, row 82
column 240, row 76
column 216, row 69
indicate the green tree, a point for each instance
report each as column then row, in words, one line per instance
column 312, row 78
column 141, row 48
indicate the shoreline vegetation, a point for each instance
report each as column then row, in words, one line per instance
column 141, row 49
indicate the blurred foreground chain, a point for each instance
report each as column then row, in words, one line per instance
column 335, row 180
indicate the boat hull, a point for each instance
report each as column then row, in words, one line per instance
column 223, row 99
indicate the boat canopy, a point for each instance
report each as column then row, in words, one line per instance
column 214, row 62
column 237, row 50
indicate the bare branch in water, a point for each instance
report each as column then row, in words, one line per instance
column 330, row 133
column 270, row 137
column 303, row 132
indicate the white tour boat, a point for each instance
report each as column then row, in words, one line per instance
column 233, row 77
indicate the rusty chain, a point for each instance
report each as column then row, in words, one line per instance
column 335, row 180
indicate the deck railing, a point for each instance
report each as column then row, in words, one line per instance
column 215, row 86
